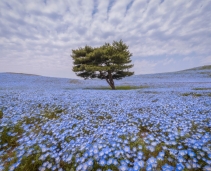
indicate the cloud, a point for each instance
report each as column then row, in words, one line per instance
column 44, row 32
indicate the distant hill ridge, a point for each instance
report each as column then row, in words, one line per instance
column 205, row 67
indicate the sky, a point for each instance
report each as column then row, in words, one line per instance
column 37, row 37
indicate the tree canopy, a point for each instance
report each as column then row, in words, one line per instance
column 109, row 62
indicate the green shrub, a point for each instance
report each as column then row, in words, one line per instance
column 123, row 87
column 1, row 114
column 10, row 135
column 202, row 89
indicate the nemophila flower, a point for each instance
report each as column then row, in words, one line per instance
column 90, row 162
column 42, row 168
column 127, row 149
column 149, row 168
column 115, row 162
column 101, row 153
column 188, row 166
column 154, row 143
column 126, row 141
column 180, row 147
column 167, row 167
column 180, row 167
column 161, row 154
column 140, row 155
column 116, row 154
column 170, row 159
column 102, row 162
column 195, row 165
column 205, row 149
column 208, row 162
column 134, row 149
column 146, row 141
column 96, row 157
column 152, row 161
column 85, row 166
column 182, row 152
column 180, row 159
column 95, row 150
column 110, row 161
column 79, row 167
column 151, row 148
column 110, row 154
column 164, row 148
column 54, row 168
column 202, row 153
column 160, row 158
column 133, row 139
column 207, row 168
column 140, row 163
column 140, row 147
column 191, row 153
column 123, row 168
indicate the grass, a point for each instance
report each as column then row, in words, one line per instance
column 192, row 94
column 1, row 114
column 22, row 74
column 196, row 94
column 74, row 81
column 206, row 67
column 123, row 87
column 10, row 135
column 8, row 141
column 201, row 88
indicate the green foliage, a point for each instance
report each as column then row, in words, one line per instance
column 206, row 67
column 9, row 136
column 202, row 89
column 110, row 61
column 1, row 114
column 192, row 94
column 119, row 88
column 31, row 162
column 185, row 94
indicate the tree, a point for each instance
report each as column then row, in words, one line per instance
column 109, row 62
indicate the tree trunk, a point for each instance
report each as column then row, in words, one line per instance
column 110, row 80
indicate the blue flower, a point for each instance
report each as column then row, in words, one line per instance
column 123, row 168
column 207, row 168
column 140, row 163
column 90, row 162
column 110, row 161
column 102, row 162
column 167, row 167
column 179, row 167
column 152, row 161
column 127, row 149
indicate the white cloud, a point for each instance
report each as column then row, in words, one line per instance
column 144, row 67
column 45, row 31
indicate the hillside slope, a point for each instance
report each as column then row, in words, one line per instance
column 201, row 76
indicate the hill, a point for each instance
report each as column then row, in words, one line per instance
column 199, row 75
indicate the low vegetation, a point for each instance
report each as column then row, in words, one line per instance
column 192, row 94
column 1, row 114
column 123, row 87
column 202, row 88
column 145, row 128
column 207, row 67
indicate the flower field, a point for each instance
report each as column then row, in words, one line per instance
column 58, row 124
